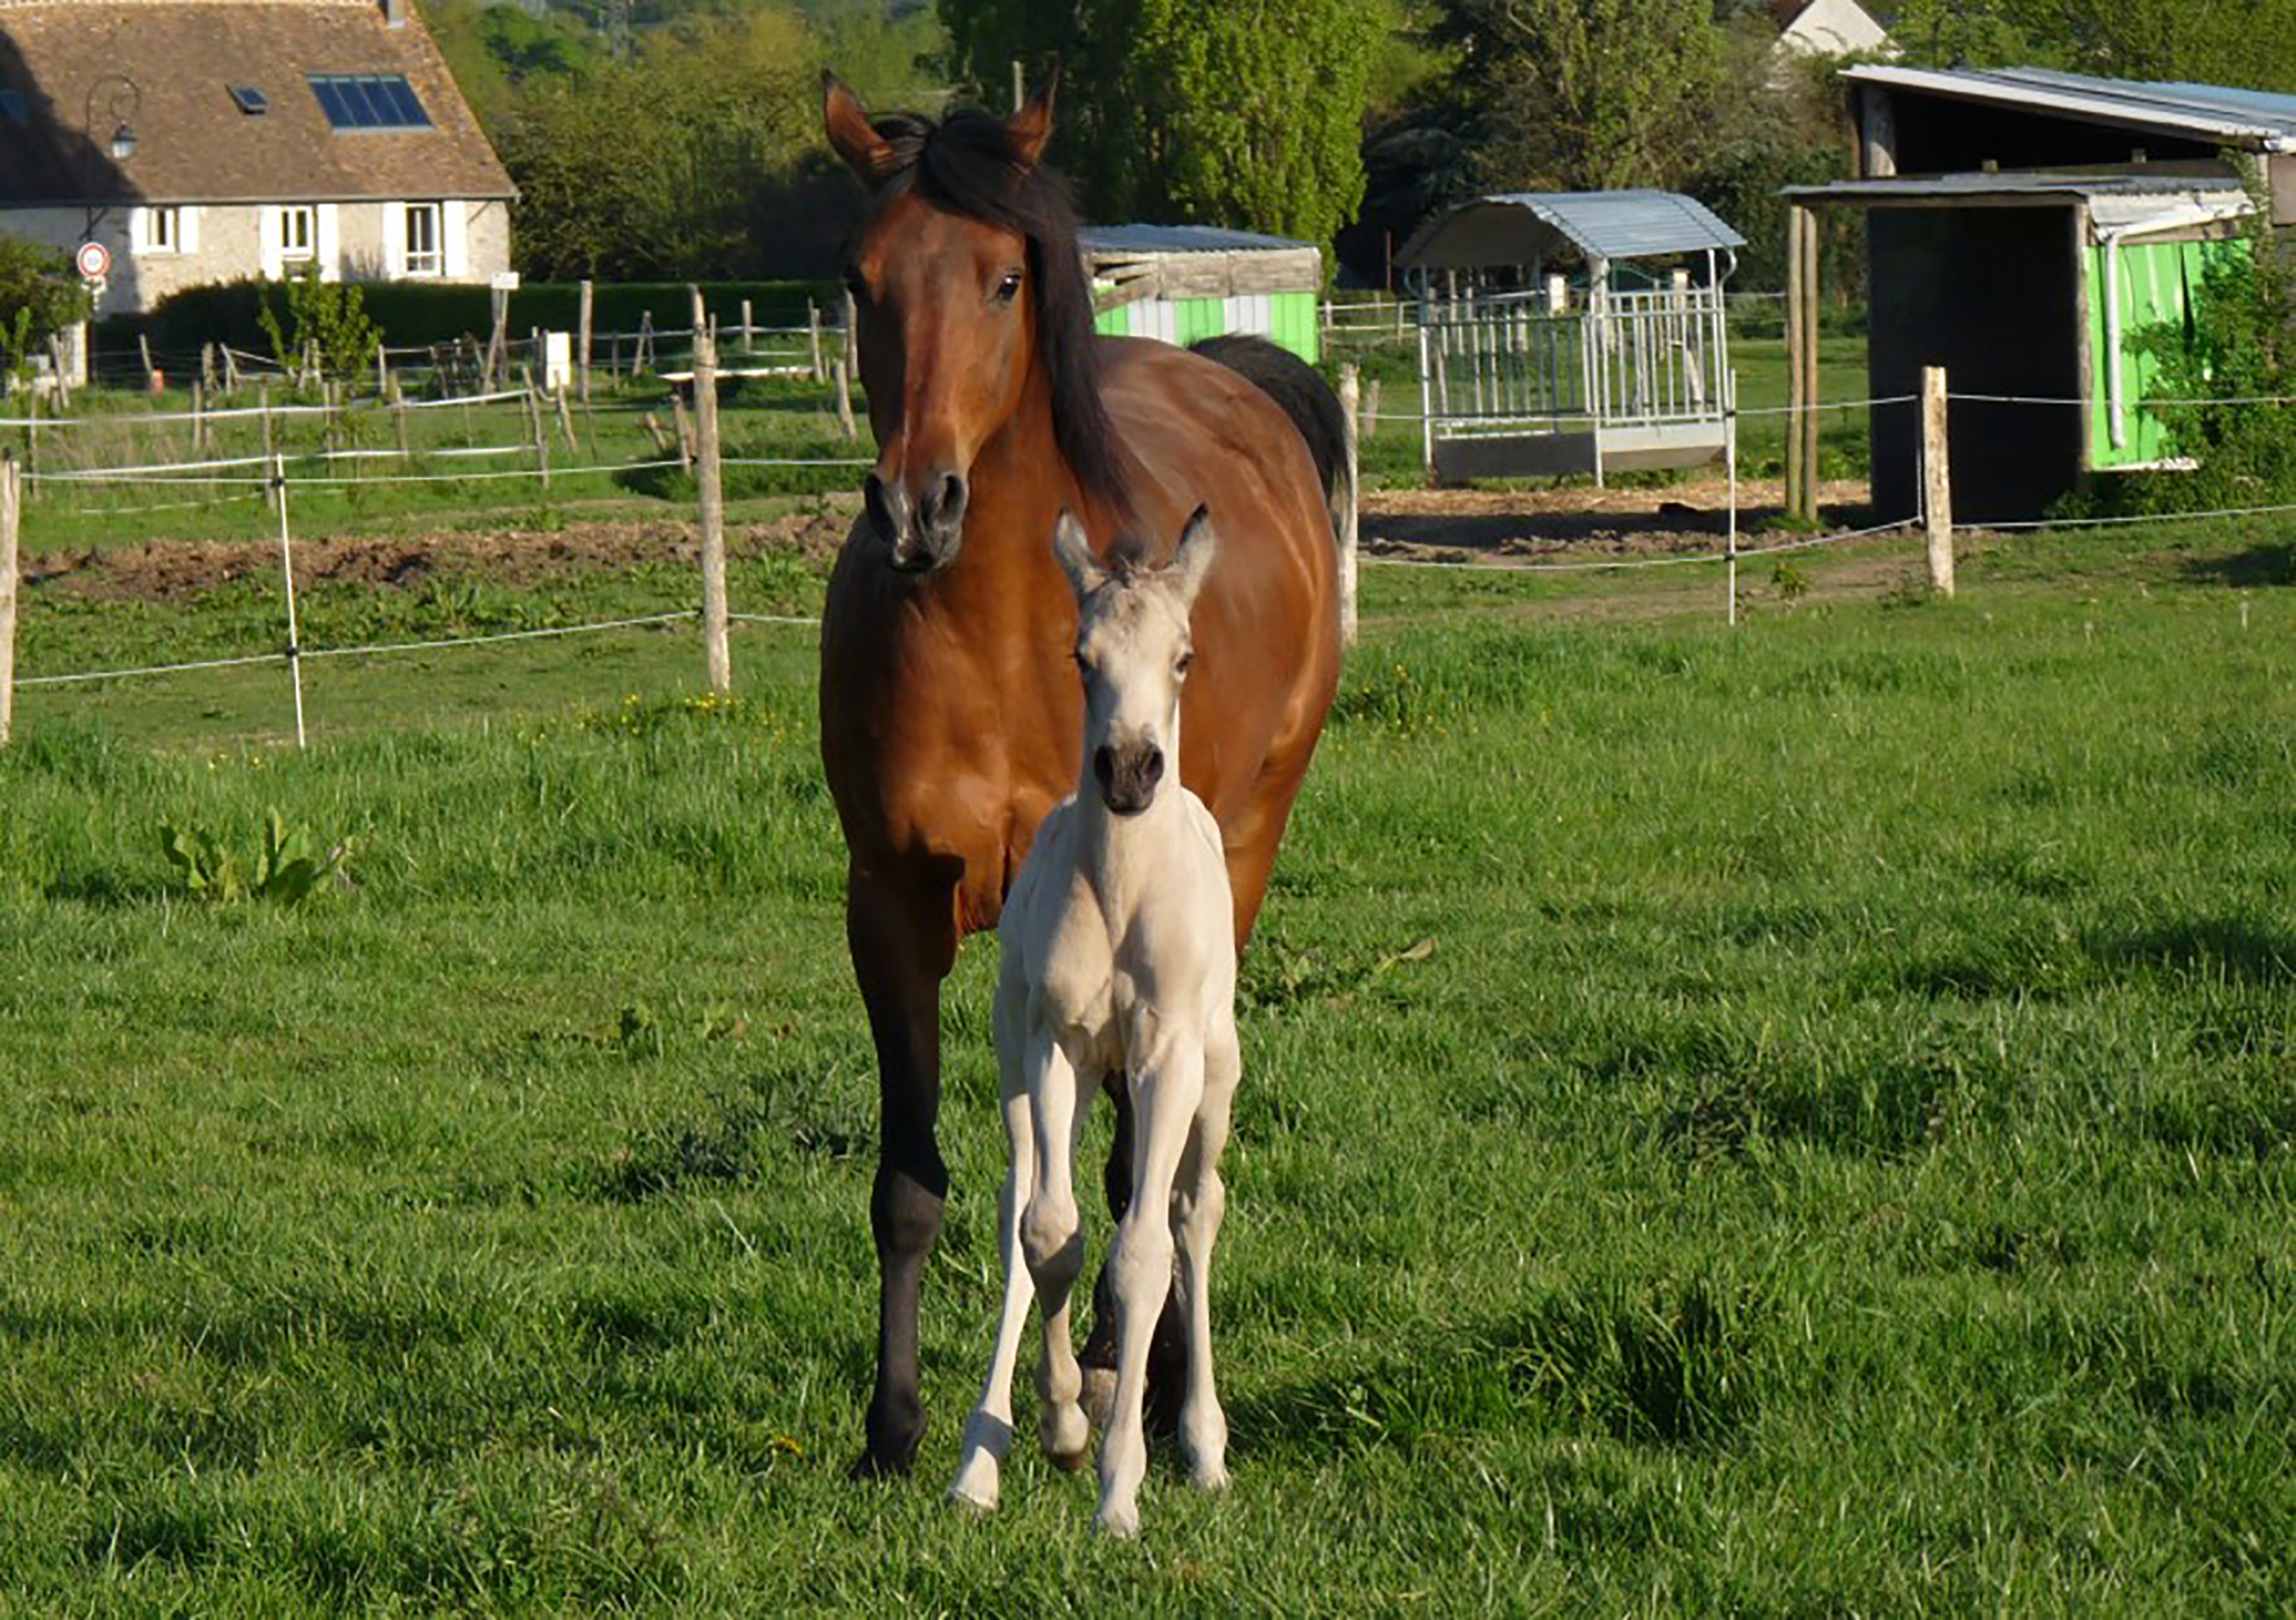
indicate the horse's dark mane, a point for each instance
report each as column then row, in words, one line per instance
column 968, row 164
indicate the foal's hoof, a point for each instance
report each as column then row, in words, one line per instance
column 1070, row 1462
column 1099, row 1396
column 1119, row 1524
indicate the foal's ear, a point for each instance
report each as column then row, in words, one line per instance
column 1073, row 553
column 1200, row 543
column 1031, row 126
column 865, row 152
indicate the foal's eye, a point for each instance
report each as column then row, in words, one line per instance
column 1008, row 289
column 1188, row 661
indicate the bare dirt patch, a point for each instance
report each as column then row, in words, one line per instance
column 1572, row 524
column 174, row 570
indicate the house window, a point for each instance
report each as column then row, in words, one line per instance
column 162, row 232
column 423, row 257
column 296, row 235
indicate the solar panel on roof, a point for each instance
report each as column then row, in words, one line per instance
column 369, row 101
column 251, row 101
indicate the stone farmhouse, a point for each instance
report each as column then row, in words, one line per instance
column 208, row 141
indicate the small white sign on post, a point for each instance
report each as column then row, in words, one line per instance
column 93, row 261
column 557, row 361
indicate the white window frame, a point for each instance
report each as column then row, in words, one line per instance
column 420, row 261
column 292, row 251
column 159, row 231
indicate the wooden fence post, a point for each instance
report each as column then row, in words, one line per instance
column 1350, row 404
column 11, row 514
column 398, row 421
column 813, row 338
column 1937, row 481
column 710, row 480
column 535, row 424
column 1370, row 428
column 1813, row 305
column 581, row 344
column 841, row 391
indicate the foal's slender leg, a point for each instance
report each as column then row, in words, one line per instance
column 1198, row 1199
column 1052, row 1238
column 902, row 944
column 1167, row 1352
column 988, row 1433
column 1165, row 1097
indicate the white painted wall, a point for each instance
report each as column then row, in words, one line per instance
column 232, row 241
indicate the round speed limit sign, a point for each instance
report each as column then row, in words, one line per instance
column 95, row 261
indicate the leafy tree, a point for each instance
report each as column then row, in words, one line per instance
column 40, row 294
column 1570, row 95
column 2238, row 42
column 1245, row 113
column 327, row 320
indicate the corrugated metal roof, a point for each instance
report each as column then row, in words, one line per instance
column 1527, row 227
column 2255, row 119
column 2034, row 182
column 1178, row 238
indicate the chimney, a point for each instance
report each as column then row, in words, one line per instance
column 394, row 14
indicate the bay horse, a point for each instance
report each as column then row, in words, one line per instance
column 950, row 712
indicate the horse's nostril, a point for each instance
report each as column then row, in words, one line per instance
column 944, row 502
column 884, row 504
column 1104, row 765
column 1153, row 766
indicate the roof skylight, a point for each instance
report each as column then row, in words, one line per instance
column 251, row 101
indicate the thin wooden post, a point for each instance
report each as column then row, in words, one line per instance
column 684, row 420
column 263, row 401
column 841, row 391
column 382, row 369
column 749, row 328
column 710, row 480
column 498, row 339
column 1937, row 481
column 31, row 431
column 1729, row 457
column 151, row 375
column 1350, row 403
column 581, row 343
column 645, row 343
column 1370, row 428
column 813, row 338
column 206, row 365
column 398, row 419
column 566, row 419
column 1796, row 322
column 1813, row 305
column 534, row 428
column 230, row 370
column 286, row 577
column 199, row 418
column 11, row 516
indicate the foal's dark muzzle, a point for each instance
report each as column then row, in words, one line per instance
column 1128, row 776
column 923, row 533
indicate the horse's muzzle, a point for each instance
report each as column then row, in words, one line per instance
column 1128, row 776
column 924, row 534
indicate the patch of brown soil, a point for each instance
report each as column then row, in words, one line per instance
column 1572, row 524
column 172, row 570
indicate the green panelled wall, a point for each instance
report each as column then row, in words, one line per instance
column 2158, row 281
column 1292, row 321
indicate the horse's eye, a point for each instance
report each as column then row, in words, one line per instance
column 1008, row 289
column 857, row 286
column 1188, row 660
column 1082, row 668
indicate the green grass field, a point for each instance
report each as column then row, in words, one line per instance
column 1835, row 1157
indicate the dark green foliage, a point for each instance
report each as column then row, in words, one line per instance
column 40, row 293
column 326, row 322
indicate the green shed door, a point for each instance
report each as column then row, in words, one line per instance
column 2157, row 282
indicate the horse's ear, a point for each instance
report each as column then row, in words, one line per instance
column 1200, row 543
column 856, row 139
column 1073, row 553
column 1031, row 126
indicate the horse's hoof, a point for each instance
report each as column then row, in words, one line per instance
column 1119, row 1524
column 1070, row 1462
column 1214, row 1478
column 979, row 1504
column 869, row 1465
column 1099, row 1396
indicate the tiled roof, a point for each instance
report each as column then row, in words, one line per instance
column 166, row 67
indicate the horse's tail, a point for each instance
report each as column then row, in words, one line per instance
column 1305, row 397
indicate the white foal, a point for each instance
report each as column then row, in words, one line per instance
column 1118, row 956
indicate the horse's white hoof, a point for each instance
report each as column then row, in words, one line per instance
column 976, row 1486
column 1119, row 1524
column 1212, row 1477
column 1065, row 1436
column 1098, row 1397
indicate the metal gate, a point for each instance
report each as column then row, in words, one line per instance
column 1514, row 387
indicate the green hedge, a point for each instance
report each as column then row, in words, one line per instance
column 428, row 312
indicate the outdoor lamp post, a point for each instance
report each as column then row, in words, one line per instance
column 120, row 99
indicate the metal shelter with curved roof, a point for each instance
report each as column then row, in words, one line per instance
column 1519, row 379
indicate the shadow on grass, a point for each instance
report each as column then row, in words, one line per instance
column 2208, row 948
column 2259, row 567
column 732, row 1138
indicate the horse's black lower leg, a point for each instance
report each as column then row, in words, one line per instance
column 900, row 976
column 1167, row 1350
